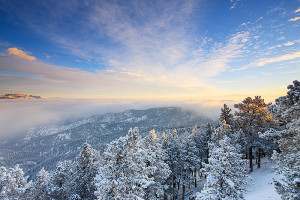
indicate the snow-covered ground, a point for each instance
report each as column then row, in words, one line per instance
column 262, row 186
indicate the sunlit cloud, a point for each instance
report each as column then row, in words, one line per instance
column 20, row 54
column 69, row 82
column 234, row 3
column 294, row 19
column 266, row 61
column 289, row 44
column 298, row 10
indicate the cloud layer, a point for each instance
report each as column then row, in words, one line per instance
column 18, row 116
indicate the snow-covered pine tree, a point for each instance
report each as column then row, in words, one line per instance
column 287, row 111
column 201, row 137
column 12, row 183
column 118, row 177
column 189, row 160
column 150, row 159
column 173, row 147
column 86, row 167
column 226, row 115
column 60, row 185
column 226, row 173
column 222, row 129
column 39, row 188
column 253, row 117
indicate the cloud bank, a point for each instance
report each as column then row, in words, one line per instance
column 18, row 116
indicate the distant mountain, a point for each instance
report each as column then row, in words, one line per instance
column 19, row 96
column 45, row 146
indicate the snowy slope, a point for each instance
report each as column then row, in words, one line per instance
column 262, row 186
column 45, row 146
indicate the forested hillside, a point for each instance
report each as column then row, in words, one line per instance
column 166, row 164
column 45, row 146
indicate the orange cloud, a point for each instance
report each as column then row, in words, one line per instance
column 20, row 54
column 294, row 19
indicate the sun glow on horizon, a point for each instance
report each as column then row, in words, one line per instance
column 179, row 50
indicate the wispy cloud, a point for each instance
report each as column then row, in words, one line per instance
column 221, row 55
column 289, row 44
column 281, row 38
column 234, row 3
column 298, row 10
column 20, row 54
column 294, row 19
column 265, row 61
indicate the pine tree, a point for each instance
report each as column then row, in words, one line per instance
column 60, row 185
column 253, row 117
column 189, row 160
column 226, row 115
column 39, row 188
column 226, row 173
column 201, row 139
column 287, row 112
column 117, row 178
column 85, row 171
column 150, row 159
column 12, row 183
column 173, row 147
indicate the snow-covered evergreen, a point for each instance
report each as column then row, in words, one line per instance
column 226, row 115
column 61, row 180
column 253, row 117
column 190, row 160
column 12, row 183
column 173, row 147
column 86, row 167
column 39, row 188
column 287, row 112
column 132, row 169
column 150, row 159
column 225, row 171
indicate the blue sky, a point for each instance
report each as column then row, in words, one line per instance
column 207, row 50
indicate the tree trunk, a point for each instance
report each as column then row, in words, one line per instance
column 183, row 192
column 250, row 159
column 174, row 192
column 195, row 178
column 259, row 155
column 165, row 196
column 207, row 156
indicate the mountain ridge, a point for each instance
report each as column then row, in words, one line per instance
column 45, row 146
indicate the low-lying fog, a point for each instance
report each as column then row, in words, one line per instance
column 18, row 115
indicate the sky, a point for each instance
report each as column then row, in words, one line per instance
column 208, row 51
